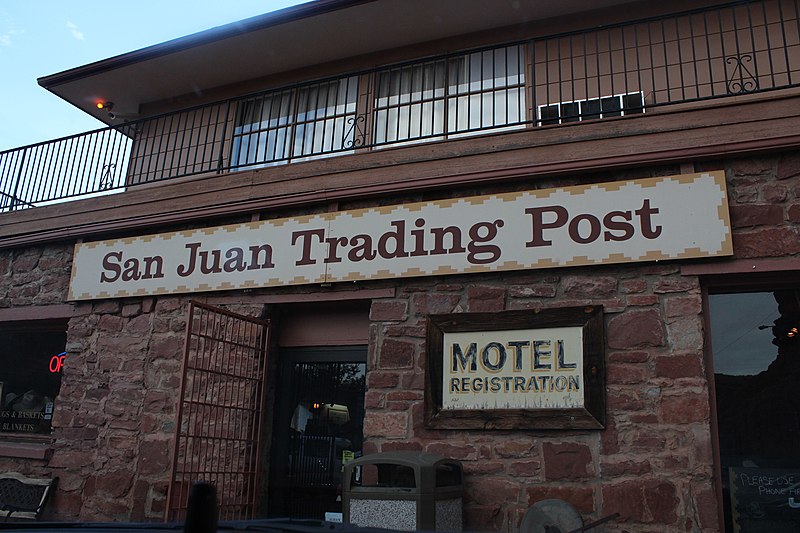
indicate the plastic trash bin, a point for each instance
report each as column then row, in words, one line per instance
column 405, row 491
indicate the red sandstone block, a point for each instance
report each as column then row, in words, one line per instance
column 397, row 446
column 166, row 347
column 111, row 323
column 675, row 284
column 404, row 395
column 644, row 418
column 705, row 501
column 581, row 497
column 382, row 380
column 388, row 310
column 483, row 298
column 403, row 330
column 793, row 214
column 386, row 424
column 71, row 459
column 609, row 439
column 633, row 285
column 139, row 325
column 527, row 469
column 373, row 400
column 396, row 354
column 413, row 380
column 788, row 167
column 683, row 305
column 566, row 461
column 756, row 215
column 649, row 501
column 483, row 517
column 434, row 303
column 106, row 307
column 532, row 291
column 680, row 366
column 65, row 506
column 627, row 374
column 751, row 166
column 448, row 287
column 589, row 286
column 25, row 262
column 684, row 409
column 772, row 242
column 115, row 483
column 636, row 329
column 624, row 400
column 494, row 491
column 461, row 451
column 775, row 194
column 166, row 304
column 483, row 467
column 686, row 334
column 153, row 457
column 625, row 468
column 515, row 448
column 628, row 357
column 52, row 262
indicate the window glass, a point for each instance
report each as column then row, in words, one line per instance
column 756, row 358
column 33, row 360
column 462, row 94
column 294, row 124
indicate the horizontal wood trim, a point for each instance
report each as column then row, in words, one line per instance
column 24, row 450
column 317, row 296
column 742, row 266
column 36, row 312
column 737, row 128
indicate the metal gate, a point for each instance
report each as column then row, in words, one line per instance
column 220, row 411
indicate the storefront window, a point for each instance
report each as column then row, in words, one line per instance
column 756, row 351
column 32, row 362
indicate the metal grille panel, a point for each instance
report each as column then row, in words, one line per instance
column 218, row 434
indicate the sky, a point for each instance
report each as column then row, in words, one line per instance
column 43, row 37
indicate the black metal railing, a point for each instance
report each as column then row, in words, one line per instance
column 632, row 68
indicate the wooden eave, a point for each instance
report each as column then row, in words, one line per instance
column 681, row 134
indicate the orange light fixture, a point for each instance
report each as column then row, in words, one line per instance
column 104, row 105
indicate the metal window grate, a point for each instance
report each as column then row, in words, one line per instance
column 219, row 426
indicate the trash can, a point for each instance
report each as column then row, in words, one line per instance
column 405, row 491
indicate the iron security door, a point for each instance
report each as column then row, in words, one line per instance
column 318, row 428
column 220, row 411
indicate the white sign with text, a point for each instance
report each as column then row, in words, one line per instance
column 672, row 217
column 514, row 369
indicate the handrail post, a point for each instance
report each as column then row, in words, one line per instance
column 223, row 138
column 15, row 200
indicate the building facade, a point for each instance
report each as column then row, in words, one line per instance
column 558, row 244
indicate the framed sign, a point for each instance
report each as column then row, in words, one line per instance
column 516, row 370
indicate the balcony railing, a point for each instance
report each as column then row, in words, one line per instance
column 631, row 68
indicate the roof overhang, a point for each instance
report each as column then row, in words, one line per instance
column 309, row 34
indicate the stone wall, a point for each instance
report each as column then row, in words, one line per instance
column 653, row 463
column 114, row 420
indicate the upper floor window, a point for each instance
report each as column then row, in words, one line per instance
column 459, row 94
column 295, row 124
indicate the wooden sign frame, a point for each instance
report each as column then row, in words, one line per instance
column 590, row 416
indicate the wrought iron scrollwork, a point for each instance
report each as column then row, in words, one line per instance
column 742, row 80
column 355, row 131
column 107, row 181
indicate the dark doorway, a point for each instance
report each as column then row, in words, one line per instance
column 317, row 428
